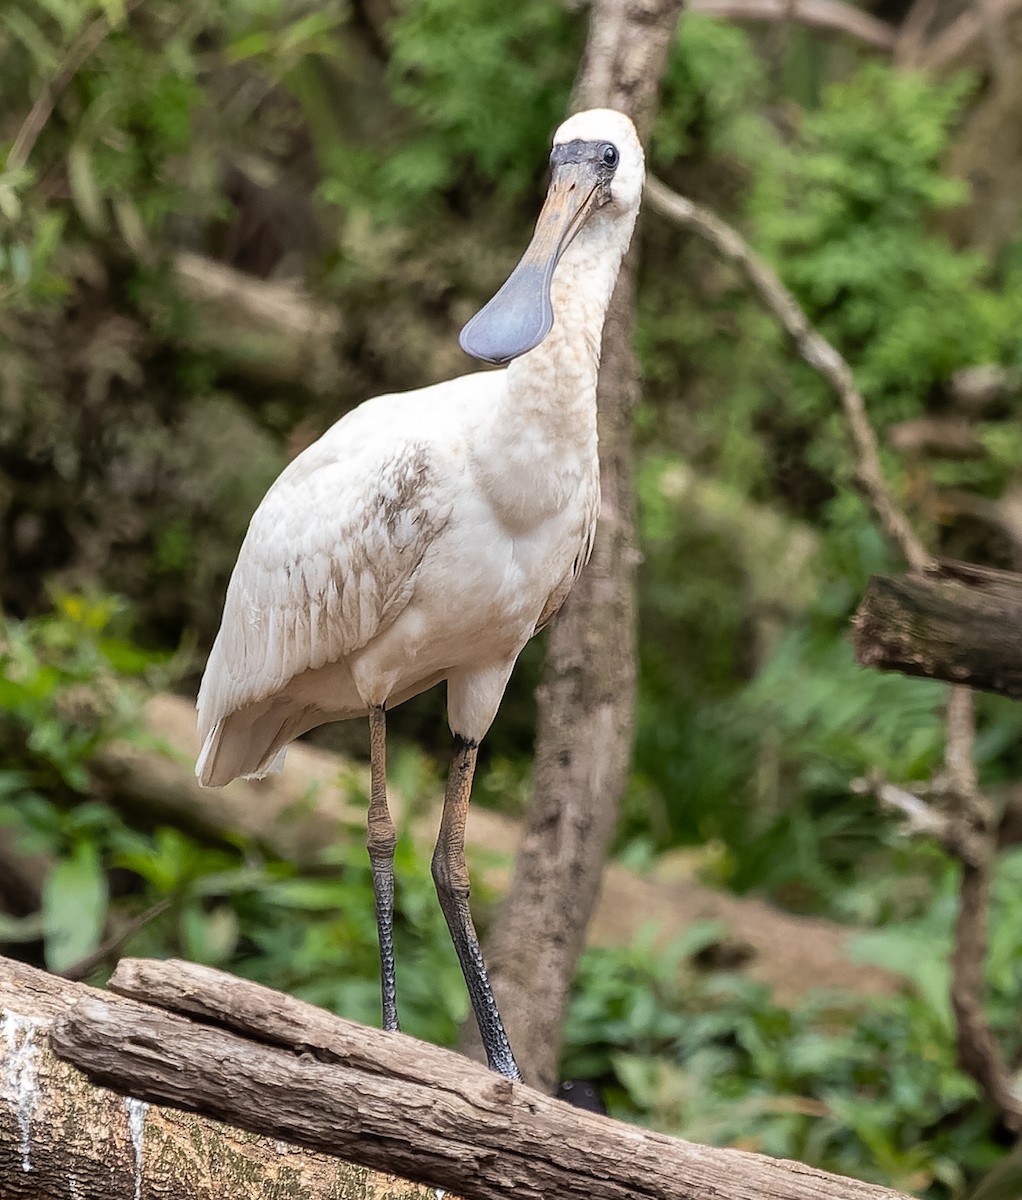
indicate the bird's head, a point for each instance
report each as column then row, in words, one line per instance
column 596, row 176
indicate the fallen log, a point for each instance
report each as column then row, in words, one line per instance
column 955, row 621
column 63, row 1137
column 273, row 1065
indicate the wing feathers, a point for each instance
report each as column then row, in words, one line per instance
column 328, row 562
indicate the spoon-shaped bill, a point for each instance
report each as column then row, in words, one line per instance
column 520, row 315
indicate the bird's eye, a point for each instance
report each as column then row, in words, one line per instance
column 610, row 156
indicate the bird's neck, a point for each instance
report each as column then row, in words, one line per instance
column 554, row 386
column 542, row 430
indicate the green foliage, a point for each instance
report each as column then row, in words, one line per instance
column 309, row 932
column 847, row 216
column 74, row 908
column 67, row 688
column 220, row 129
column 394, row 165
column 869, row 1089
column 60, row 690
column 123, row 121
column 62, row 696
column 315, row 936
column 753, row 717
column 460, row 68
column 711, row 96
column 452, row 73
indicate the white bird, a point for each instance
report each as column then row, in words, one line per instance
column 427, row 536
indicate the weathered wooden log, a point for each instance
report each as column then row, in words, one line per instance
column 265, row 1062
column 62, row 1138
column 956, row 622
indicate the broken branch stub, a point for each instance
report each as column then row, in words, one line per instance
column 956, row 622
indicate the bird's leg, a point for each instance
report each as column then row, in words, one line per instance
column 382, row 840
column 451, row 877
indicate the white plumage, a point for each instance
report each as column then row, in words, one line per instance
column 381, row 561
column 426, row 536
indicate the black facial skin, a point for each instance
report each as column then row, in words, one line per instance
column 603, row 155
column 520, row 316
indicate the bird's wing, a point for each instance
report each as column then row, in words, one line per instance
column 557, row 597
column 328, row 562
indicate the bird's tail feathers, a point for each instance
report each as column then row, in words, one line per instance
column 243, row 744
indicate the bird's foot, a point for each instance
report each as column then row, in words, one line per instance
column 504, row 1064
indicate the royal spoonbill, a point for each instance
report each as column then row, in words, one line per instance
column 427, row 536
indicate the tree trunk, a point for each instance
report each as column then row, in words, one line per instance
column 987, row 151
column 259, row 1060
column 957, row 622
column 587, row 700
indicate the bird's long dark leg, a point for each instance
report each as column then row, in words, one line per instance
column 451, row 877
column 382, row 839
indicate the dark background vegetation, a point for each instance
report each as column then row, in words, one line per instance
column 237, row 219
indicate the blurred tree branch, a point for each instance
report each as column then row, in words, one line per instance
column 818, row 14
column 912, row 31
column 972, row 841
column 966, row 823
column 814, row 349
column 109, row 951
column 949, row 48
column 954, row 811
column 80, row 50
column 268, row 330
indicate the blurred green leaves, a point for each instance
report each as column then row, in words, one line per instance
column 753, row 715
column 61, row 693
column 67, row 688
column 75, row 899
column 391, row 159
column 462, row 67
column 847, row 210
column 64, row 693
column 868, row 1088
column 455, row 70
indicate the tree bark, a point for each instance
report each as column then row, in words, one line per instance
column 957, row 622
column 587, row 698
column 268, row 1063
column 987, row 149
